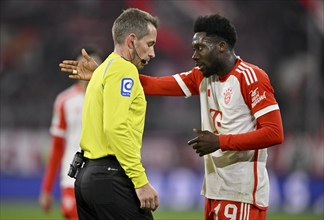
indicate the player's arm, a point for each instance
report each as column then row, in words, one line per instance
column 53, row 165
column 160, row 86
column 183, row 84
column 57, row 130
column 259, row 96
column 269, row 132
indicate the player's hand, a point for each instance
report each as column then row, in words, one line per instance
column 205, row 142
column 148, row 197
column 45, row 201
column 81, row 70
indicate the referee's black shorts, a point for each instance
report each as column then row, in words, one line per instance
column 104, row 191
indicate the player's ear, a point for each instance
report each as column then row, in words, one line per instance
column 221, row 46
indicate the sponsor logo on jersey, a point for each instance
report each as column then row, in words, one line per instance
column 126, row 86
column 228, row 95
column 256, row 97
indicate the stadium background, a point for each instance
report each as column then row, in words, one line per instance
column 285, row 38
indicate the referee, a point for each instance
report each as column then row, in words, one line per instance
column 113, row 184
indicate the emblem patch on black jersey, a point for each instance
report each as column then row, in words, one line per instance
column 126, row 86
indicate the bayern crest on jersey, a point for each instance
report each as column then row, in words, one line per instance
column 228, row 95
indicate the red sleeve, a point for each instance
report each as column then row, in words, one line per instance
column 160, row 86
column 182, row 84
column 58, row 128
column 269, row 132
column 53, row 164
column 257, row 93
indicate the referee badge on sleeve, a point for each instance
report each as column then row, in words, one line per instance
column 126, row 86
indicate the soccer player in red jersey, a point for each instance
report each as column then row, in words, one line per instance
column 65, row 131
column 240, row 119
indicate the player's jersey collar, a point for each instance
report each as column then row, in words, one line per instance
column 224, row 78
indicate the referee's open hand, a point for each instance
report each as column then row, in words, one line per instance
column 148, row 197
column 81, row 70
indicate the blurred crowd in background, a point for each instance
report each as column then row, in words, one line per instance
column 285, row 38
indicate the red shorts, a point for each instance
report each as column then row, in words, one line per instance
column 230, row 210
column 68, row 204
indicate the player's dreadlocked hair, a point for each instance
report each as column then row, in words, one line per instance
column 216, row 25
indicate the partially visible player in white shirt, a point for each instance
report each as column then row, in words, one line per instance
column 65, row 131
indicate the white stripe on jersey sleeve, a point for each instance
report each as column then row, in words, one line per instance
column 250, row 74
column 241, row 211
column 244, row 74
column 248, row 212
column 182, row 85
column 251, row 70
column 266, row 110
column 245, row 211
column 247, row 71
